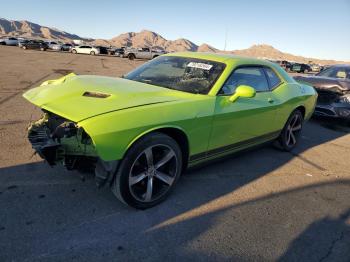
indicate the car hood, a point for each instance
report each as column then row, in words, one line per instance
column 325, row 83
column 80, row 97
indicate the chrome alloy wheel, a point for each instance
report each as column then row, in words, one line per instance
column 293, row 130
column 153, row 172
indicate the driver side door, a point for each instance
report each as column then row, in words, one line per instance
column 246, row 121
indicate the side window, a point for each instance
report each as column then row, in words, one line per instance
column 250, row 76
column 273, row 78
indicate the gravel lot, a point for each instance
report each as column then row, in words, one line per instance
column 262, row 205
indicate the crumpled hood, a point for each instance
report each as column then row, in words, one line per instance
column 80, row 97
column 327, row 83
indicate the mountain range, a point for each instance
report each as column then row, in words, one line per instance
column 146, row 38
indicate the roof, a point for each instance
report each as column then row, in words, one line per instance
column 223, row 58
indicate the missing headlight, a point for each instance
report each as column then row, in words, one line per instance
column 344, row 99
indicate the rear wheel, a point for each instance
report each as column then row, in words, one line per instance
column 131, row 56
column 24, row 47
column 42, row 49
column 290, row 134
column 148, row 172
column 92, row 53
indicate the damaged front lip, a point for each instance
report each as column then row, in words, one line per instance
column 53, row 138
column 68, row 144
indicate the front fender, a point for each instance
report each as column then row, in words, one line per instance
column 114, row 133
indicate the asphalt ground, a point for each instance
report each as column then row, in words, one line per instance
column 261, row 205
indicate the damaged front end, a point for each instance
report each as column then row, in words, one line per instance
column 61, row 141
column 333, row 103
column 333, row 96
column 58, row 140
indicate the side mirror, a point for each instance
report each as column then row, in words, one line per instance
column 242, row 91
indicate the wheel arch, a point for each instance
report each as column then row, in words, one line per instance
column 301, row 108
column 176, row 133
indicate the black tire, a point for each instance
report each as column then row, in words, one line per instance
column 131, row 56
column 92, row 53
column 24, row 47
column 306, row 71
column 42, row 49
column 290, row 133
column 132, row 189
column 74, row 51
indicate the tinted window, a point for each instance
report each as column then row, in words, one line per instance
column 273, row 78
column 336, row 72
column 250, row 76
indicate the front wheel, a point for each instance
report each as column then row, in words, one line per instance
column 92, row 53
column 74, row 51
column 148, row 172
column 290, row 134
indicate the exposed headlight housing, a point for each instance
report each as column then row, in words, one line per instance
column 344, row 99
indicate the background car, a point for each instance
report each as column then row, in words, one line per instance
column 56, row 46
column 333, row 88
column 85, row 49
column 67, row 47
column 315, row 68
column 11, row 41
column 35, row 44
column 140, row 132
column 119, row 52
column 142, row 53
column 21, row 42
column 301, row 68
column 285, row 65
column 102, row 50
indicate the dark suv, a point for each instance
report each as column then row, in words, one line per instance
column 35, row 44
column 301, row 68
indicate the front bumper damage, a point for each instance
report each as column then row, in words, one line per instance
column 61, row 141
column 333, row 103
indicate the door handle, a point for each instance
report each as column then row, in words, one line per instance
column 270, row 100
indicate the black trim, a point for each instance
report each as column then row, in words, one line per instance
column 232, row 147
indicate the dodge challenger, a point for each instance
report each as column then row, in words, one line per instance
column 140, row 132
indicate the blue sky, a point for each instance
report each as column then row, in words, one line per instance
column 310, row 28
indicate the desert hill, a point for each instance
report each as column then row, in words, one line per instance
column 146, row 38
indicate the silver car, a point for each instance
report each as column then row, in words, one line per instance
column 57, row 46
column 12, row 41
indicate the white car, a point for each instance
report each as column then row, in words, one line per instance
column 85, row 49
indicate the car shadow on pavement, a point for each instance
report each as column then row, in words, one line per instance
column 51, row 214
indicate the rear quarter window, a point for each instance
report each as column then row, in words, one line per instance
column 273, row 78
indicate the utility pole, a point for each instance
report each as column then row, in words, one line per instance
column 225, row 39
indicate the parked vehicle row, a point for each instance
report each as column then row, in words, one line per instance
column 125, row 52
column 299, row 67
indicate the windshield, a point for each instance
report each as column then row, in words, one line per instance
column 336, row 72
column 180, row 73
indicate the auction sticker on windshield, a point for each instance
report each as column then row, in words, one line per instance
column 200, row 65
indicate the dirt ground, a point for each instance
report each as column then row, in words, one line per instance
column 262, row 205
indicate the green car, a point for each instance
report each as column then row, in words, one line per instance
column 140, row 132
